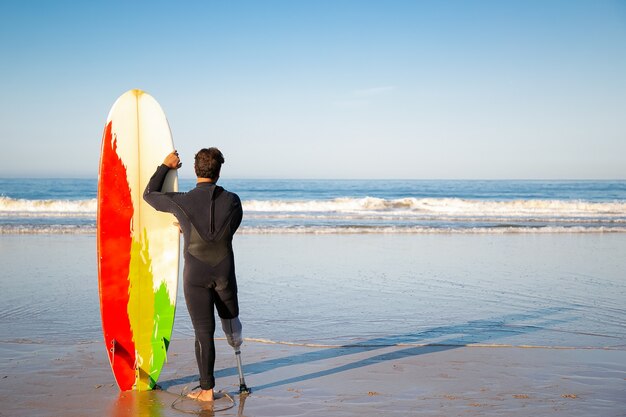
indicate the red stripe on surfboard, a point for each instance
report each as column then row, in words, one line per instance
column 115, row 213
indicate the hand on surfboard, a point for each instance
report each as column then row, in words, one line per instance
column 172, row 161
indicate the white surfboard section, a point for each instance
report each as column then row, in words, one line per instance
column 143, row 140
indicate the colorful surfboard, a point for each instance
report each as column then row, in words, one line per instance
column 138, row 247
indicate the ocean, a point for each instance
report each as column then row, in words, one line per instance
column 30, row 206
column 497, row 263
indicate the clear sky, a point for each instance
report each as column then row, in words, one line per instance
column 324, row 89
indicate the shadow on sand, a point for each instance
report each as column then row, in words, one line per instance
column 449, row 337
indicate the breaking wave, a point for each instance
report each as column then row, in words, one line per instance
column 11, row 207
column 444, row 206
column 354, row 215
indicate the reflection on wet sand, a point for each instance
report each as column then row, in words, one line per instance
column 158, row 403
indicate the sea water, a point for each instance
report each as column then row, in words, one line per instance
column 369, row 263
column 358, row 206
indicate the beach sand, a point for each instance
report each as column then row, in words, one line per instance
column 417, row 325
column 42, row 380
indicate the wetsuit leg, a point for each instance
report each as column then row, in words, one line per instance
column 200, row 302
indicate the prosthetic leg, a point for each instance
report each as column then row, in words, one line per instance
column 232, row 330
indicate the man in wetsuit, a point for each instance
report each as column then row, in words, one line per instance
column 209, row 217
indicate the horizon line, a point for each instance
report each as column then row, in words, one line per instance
column 325, row 179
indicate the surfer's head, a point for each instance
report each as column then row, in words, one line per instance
column 208, row 163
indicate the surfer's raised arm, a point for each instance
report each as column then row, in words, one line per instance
column 153, row 195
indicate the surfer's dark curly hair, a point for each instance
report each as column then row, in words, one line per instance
column 208, row 163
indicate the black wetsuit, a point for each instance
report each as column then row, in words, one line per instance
column 209, row 217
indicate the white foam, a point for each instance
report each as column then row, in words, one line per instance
column 7, row 229
column 357, row 215
column 324, row 230
column 10, row 207
column 329, row 230
column 362, row 207
column 442, row 206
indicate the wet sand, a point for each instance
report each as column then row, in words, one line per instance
column 430, row 326
column 44, row 380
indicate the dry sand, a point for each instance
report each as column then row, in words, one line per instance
column 287, row 380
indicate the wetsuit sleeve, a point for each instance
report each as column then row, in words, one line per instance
column 157, row 199
column 237, row 215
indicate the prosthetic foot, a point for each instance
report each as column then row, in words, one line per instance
column 243, row 388
column 232, row 330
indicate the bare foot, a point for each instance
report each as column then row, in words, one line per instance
column 202, row 395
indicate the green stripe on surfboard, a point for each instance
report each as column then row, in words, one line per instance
column 151, row 316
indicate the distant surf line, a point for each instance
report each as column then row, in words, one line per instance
column 346, row 230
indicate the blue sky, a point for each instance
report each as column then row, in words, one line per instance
column 324, row 89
